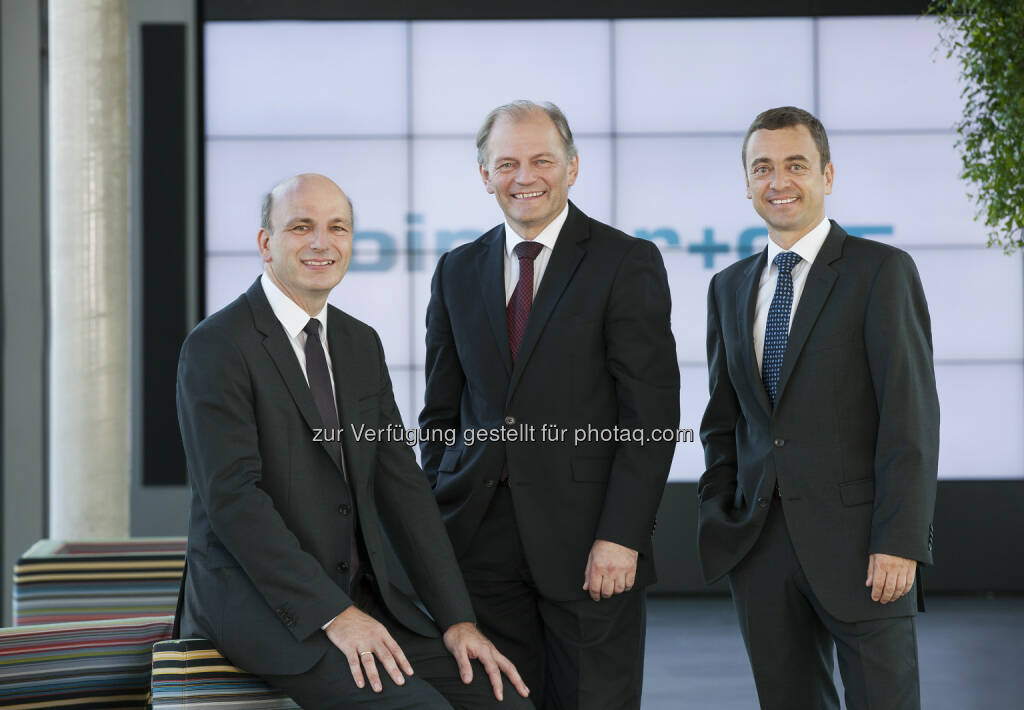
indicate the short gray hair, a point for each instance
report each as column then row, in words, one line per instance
column 516, row 111
column 267, row 204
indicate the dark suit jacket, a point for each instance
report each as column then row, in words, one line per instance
column 266, row 531
column 597, row 351
column 853, row 438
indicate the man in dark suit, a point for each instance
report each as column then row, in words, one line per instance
column 549, row 352
column 290, row 573
column 820, row 438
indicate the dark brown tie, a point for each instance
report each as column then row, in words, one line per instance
column 518, row 311
column 323, row 394
column 320, row 386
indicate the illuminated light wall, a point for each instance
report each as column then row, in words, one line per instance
column 659, row 108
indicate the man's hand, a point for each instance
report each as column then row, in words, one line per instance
column 890, row 577
column 465, row 642
column 611, row 569
column 361, row 637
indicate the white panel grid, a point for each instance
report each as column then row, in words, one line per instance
column 662, row 163
column 227, row 277
column 240, row 172
column 982, row 420
column 462, row 70
column 709, row 75
column 305, row 78
column 974, row 297
column 909, row 183
column 688, row 461
column 886, row 73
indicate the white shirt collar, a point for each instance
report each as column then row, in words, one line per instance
column 546, row 238
column 291, row 315
column 807, row 246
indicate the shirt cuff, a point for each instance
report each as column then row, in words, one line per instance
column 324, row 627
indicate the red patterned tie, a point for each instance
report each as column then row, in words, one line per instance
column 518, row 310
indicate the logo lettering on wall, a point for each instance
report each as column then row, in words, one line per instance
column 379, row 251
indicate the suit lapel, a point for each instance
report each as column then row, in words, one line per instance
column 820, row 281
column 490, row 272
column 565, row 257
column 746, row 306
column 275, row 341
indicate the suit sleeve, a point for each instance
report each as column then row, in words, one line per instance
column 216, row 413
column 445, row 379
column 718, row 427
column 898, row 341
column 641, row 357
column 409, row 511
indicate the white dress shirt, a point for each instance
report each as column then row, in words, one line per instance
column 293, row 318
column 807, row 247
column 546, row 239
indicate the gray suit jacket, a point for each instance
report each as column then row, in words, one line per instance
column 853, row 439
column 267, row 528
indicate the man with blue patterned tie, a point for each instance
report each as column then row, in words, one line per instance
column 820, row 439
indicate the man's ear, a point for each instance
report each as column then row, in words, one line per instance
column 830, row 173
column 487, row 180
column 750, row 195
column 263, row 244
column 574, row 169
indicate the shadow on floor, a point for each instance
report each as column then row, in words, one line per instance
column 971, row 652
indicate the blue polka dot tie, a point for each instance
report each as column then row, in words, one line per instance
column 776, row 332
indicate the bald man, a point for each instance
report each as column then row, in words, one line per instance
column 289, row 570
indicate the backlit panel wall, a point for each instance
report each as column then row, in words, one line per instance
column 659, row 108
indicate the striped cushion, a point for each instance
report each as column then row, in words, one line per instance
column 58, row 581
column 90, row 664
column 191, row 673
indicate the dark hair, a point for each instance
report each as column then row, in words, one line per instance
column 784, row 117
column 265, row 206
column 518, row 110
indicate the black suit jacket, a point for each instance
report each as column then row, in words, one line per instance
column 267, row 529
column 853, row 439
column 597, row 351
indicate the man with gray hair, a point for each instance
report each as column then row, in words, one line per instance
column 549, row 351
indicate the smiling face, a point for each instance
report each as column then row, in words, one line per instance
column 787, row 182
column 528, row 172
column 307, row 250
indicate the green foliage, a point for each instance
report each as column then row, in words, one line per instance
column 987, row 39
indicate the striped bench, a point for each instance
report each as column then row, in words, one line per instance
column 191, row 674
column 58, row 581
column 87, row 664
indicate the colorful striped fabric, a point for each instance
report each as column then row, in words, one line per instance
column 89, row 664
column 57, row 581
column 191, row 673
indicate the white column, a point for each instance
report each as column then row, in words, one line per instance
column 89, row 269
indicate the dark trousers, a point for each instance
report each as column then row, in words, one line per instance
column 435, row 685
column 789, row 637
column 572, row 654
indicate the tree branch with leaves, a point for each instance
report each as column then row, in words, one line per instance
column 986, row 37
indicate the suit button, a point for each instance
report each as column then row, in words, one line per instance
column 344, row 509
column 763, row 502
column 510, row 421
column 343, row 566
column 779, row 442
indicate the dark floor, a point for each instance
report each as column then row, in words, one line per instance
column 971, row 652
